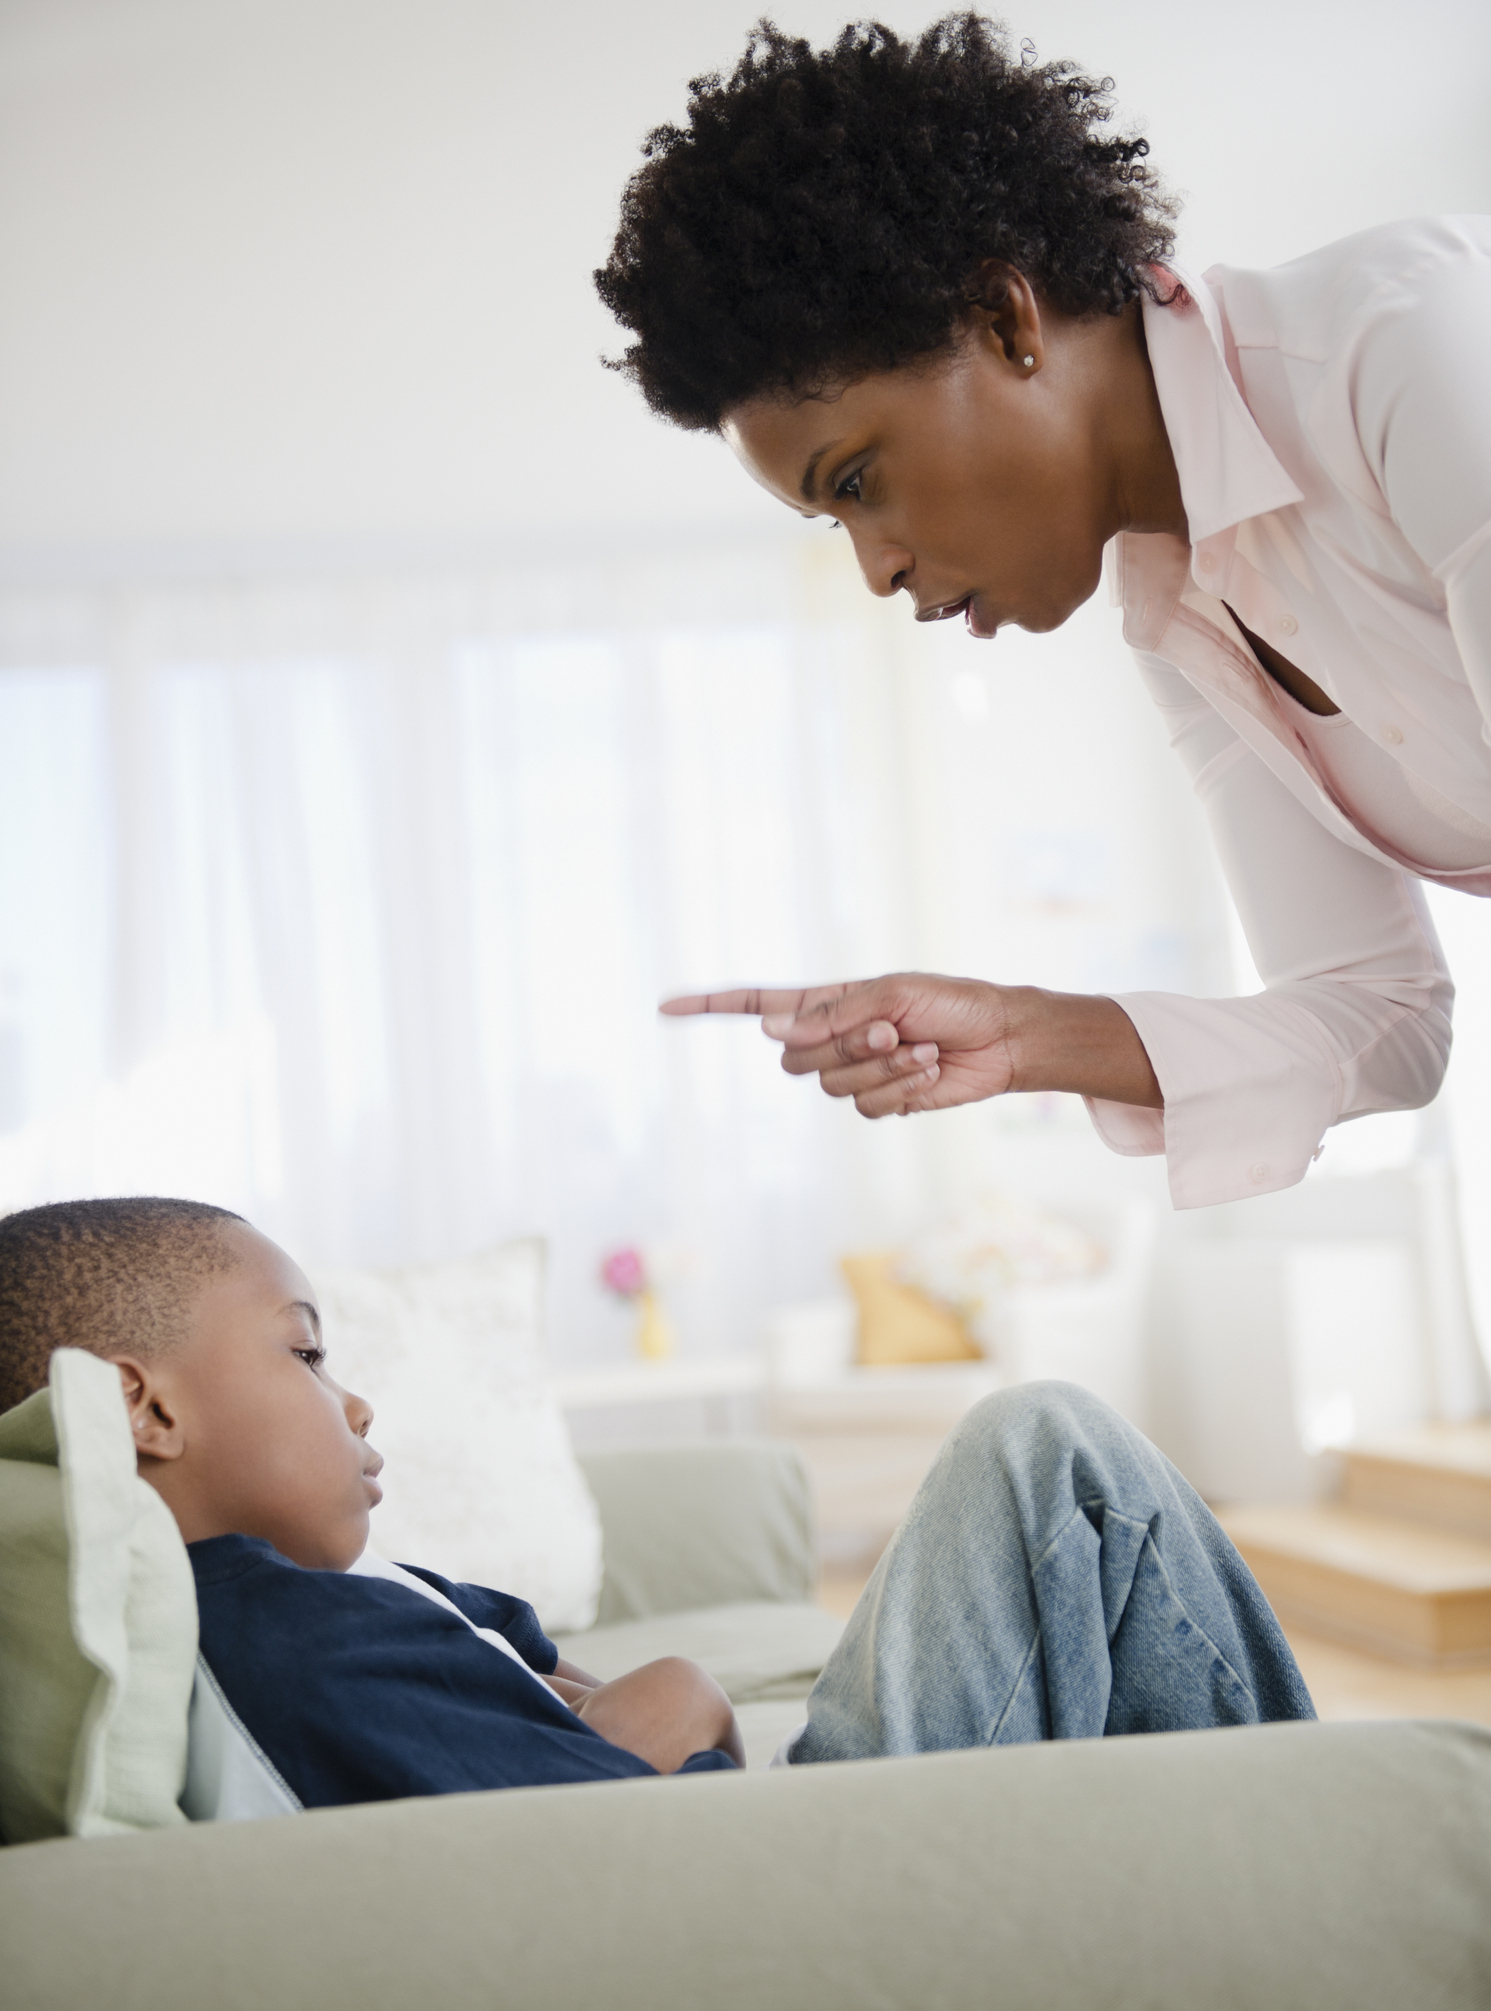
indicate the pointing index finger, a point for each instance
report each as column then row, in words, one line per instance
column 752, row 1001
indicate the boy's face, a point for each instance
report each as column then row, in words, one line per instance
column 241, row 1429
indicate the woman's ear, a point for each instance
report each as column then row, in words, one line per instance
column 1005, row 302
column 152, row 1415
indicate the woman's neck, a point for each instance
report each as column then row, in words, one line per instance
column 1146, row 480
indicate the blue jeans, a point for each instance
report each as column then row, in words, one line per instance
column 1055, row 1578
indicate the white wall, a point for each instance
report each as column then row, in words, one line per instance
column 289, row 270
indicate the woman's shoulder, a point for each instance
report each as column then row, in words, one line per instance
column 1369, row 359
column 1315, row 305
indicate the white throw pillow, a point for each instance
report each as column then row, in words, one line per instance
column 481, row 1483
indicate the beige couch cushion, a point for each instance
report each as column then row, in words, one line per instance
column 1293, row 1867
column 765, row 1726
column 754, row 1650
column 712, row 1523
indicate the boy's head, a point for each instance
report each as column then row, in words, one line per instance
column 217, row 1340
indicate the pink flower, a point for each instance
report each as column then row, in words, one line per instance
column 624, row 1273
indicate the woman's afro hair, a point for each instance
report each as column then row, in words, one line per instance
column 828, row 213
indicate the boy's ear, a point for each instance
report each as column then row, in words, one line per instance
column 152, row 1415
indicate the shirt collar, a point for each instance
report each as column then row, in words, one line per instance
column 216, row 1559
column 1228, row 472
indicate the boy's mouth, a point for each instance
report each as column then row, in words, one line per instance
column 370, row 1477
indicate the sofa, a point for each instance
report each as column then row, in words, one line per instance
column 1310, row 1866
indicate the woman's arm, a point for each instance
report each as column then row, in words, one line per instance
column 1236, row 1093
column 1355, row 1017
column 917, row 1042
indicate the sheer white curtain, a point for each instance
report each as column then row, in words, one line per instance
column 347, row 901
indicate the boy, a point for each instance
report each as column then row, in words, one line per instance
column 1054, row 1578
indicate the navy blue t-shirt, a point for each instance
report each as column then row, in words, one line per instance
column 361, row 1689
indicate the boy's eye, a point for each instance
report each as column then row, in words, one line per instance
column 312, row 1357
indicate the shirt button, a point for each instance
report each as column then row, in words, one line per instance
column 1393, row 735
column 1288, row 626
column 1258, row 1174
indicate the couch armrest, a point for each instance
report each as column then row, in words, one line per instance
column 1294, row 1867
column 711, row 1523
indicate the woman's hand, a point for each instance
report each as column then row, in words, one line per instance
column 917, row 1042
column 895, row 1045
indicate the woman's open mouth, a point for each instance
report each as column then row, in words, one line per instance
column 968, row 607
column 947, row 610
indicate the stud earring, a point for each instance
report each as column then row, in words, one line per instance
column 1030, row 363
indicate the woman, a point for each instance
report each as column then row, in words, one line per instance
column 918, row 288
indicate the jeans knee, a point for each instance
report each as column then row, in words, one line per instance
column 1046, row 1413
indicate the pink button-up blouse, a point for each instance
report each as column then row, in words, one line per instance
column 1331, row 424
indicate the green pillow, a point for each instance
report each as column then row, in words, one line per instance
column 98, row 1618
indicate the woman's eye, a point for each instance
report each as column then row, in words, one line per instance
column 850, row 488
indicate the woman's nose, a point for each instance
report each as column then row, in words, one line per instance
column 886, row 568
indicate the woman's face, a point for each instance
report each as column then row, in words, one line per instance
column 979, row 484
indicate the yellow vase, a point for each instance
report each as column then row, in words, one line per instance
column 655, row 1340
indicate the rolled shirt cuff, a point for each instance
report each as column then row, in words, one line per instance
column 1127, row 1127
column 1250, row 1086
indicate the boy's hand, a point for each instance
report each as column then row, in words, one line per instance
column 663, row 1712
column 574, row 1685
column 573, row 1694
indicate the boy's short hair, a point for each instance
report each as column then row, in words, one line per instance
column 110, row 1276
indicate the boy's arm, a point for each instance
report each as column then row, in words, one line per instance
column 664, row 1712
column 572, row 1684
column 568, row 1673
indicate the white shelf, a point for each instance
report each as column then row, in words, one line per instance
column 915, row 1397
column 662, row 1382
column 912, row 1397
